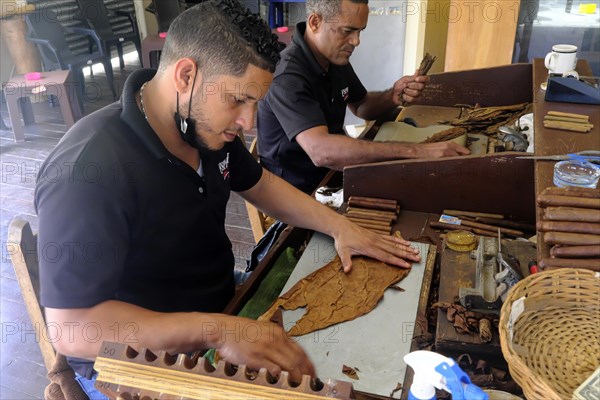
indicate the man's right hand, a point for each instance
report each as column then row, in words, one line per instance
column 261, row 344
column 440, row 149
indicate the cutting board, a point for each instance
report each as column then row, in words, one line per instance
column 402, row 132
column 375, row 343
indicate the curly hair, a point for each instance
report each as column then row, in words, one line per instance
column 328, row 9
column 223, row 38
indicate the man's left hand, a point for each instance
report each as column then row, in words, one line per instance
column 353, row 240
column 408, row 88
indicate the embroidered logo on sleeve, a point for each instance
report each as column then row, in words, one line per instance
column 346, row 93
column 224, row 167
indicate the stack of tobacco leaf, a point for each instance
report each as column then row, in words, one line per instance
column 424, row 68
column 487, row 120
column 426, row 64
column 571, row 225
column 448, row 134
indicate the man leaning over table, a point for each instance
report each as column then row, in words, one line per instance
column 300, row 121
column 139, row 217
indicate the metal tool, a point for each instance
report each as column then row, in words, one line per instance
column 513, row 138
column 585, row 155
column 496, row 272
column 509, row 273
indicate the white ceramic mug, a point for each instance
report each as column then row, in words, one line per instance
column 562, row 58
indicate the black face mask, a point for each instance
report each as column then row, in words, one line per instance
column 187, row 126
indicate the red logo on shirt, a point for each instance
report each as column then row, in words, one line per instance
column 224, row 167
column 346, row 93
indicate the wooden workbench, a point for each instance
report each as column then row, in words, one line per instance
column 557, row 142
column 500, row 183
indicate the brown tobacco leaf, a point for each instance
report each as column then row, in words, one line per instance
column 398, row 388
column 349, row 372
column 485, row 330
column 332, row 296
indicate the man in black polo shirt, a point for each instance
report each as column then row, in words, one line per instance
column 300, row 121
column 132, row 202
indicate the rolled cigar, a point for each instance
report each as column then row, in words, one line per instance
column 571, row 214
column 565, row 226
column 383, row 224
column 566, row 119
column 506, row 231
column 522, row 226
column 376, row 230
column 380, row 231
column 571, row 239
column 545, row 200
column 589, row 263
column 576, row 251
column 564, row 126
column 473, row 214
column 483, row 232
column 374, row 200
column 569, row 124
column 371, row 211
column 371, row 226
column 573, row 191
column 370, row 205
column 373, row 217
column 569, row 115
column 449, row 227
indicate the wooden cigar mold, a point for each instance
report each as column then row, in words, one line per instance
column 124, row 373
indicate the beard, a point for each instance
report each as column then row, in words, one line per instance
column 200, row 130
column 197, row 126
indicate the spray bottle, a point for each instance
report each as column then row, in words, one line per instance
column 432, row 370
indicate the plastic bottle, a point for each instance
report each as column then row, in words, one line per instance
column 432, row 370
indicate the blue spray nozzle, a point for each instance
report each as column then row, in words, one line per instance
column 459, row 384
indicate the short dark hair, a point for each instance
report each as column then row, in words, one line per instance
column 223, row 38
column 328, row 9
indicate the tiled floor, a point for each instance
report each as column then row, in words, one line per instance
column 22, row 372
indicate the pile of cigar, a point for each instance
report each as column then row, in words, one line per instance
column 484, row 224
column 568, row 122
column 377, row 215
column 571, row 225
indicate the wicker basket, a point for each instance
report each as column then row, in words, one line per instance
column 550, row 332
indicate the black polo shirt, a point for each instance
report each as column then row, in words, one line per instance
column 303, row 95
column 121, row 218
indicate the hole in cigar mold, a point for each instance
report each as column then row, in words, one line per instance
column 316, row 384
column 146, row 398
column 131, row 352
column 230, row 369
column 251, row 374
column 150, row 356
column 190, row 363
column 207, row 366
column 272, row 379
column 293, row 383
column 125, row 396
column 170, row 359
